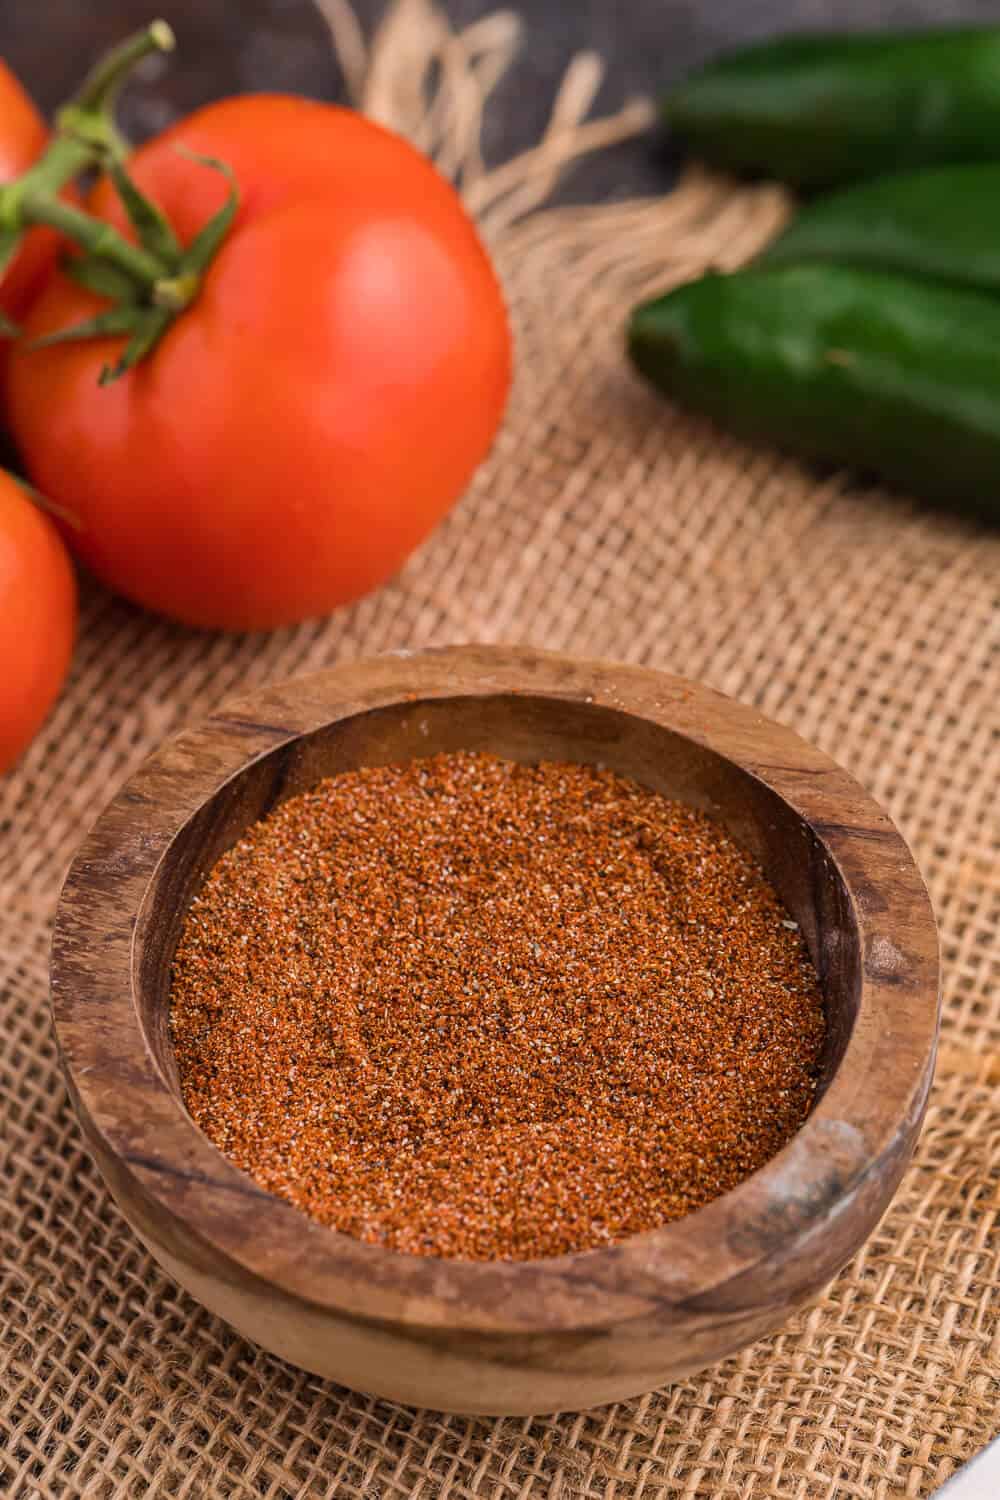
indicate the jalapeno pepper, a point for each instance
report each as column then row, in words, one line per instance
column 819, row 110
column 940, row 221
column 862, row 367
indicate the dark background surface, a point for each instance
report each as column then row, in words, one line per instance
column 226, row 46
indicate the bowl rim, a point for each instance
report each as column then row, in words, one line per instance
column 163, row 1157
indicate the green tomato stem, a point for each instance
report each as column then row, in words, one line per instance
column 85, row 130
column 149, row 281
column 89, row 116
column 174, row 293
column 99, row 89
column 96, row 237
column 63, row 160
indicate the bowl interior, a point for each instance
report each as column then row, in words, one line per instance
column 525, row 728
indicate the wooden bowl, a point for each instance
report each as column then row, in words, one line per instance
column 500, row 1337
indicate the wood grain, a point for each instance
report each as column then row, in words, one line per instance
column 499, row 1337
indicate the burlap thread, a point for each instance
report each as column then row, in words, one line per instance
column 608, row 523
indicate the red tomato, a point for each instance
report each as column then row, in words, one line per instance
column 22, row 136
column 37, row 617
column 307, row 421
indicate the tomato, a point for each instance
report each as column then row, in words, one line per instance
column 37, row 617
column 23, row 135
column 304, row 424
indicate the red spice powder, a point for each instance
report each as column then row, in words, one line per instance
column 466, row 1007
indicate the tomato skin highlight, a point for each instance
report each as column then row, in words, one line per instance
column 37, row 618
column 308, row 420
column 23, row 136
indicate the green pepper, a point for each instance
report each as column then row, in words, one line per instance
column 860, row 367
column 819, row 110
column 940, row 221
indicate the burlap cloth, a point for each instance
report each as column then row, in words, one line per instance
column 605, row 523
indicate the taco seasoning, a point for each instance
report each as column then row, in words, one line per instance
column 470, row 1008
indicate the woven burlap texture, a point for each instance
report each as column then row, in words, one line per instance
column 606, row 523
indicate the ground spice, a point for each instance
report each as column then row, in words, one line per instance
column 466, row 1007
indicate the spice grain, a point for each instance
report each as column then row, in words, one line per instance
column 466, row 1007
